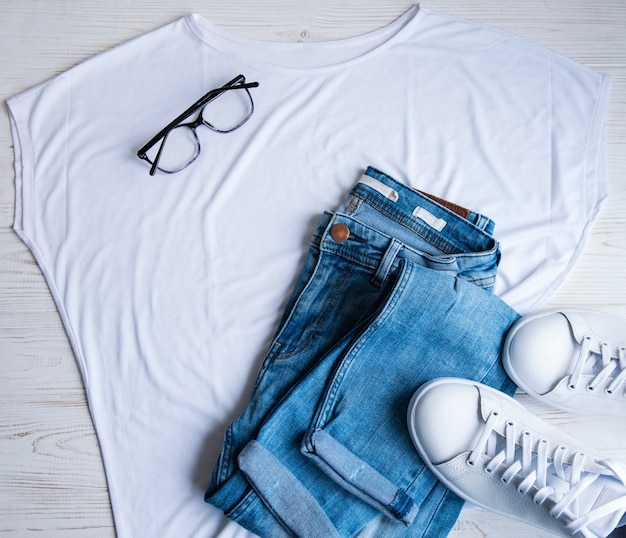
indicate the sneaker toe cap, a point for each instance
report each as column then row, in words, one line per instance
column 444, row 419
column 540, row 352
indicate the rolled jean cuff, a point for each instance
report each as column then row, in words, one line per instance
column 358, row 477
column 283, row 494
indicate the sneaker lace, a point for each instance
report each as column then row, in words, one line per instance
column 608, row 369
column 588, row 496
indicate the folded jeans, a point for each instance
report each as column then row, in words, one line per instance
column 394, row 292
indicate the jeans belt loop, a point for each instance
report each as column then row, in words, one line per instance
column 386, row 263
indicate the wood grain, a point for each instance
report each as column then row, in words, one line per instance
column 52, row 482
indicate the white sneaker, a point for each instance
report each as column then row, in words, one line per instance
column 491, row 451
column 573, row 359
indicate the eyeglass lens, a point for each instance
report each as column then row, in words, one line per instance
column 180, row 148
column 228, row 111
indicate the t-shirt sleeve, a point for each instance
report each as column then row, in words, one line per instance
column 574, row 149
column 39, row 123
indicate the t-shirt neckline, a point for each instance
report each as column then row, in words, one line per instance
column 309, row 56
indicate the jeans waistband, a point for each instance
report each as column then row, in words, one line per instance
column 385, row 221
column 452, row 228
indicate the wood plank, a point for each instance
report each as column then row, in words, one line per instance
column 51, row 475
column 52, row 482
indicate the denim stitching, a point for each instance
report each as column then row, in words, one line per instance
column 328, row 403
column 345, row 252
column 329, row 299
column 436, row 511
column 242, row 505
column 372, row 263
column 483, row 282
column 422, row 231
column 353, row 205
column 435, row 240
column 223, row 464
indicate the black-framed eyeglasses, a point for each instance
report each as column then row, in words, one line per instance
column 221, row 110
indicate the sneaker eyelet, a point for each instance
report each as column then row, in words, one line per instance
column 571, row 386
column 470, row 462
column 608, row 391
column 504, row 480
column 510, row 423
column 487, row 470
column 590, row 388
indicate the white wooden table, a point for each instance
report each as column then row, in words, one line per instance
column 52, row 482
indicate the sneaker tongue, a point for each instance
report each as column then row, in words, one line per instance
column 592, row 365
column 604, row 328
column 604, row 490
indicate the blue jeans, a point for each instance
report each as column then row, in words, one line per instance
column 395, row 291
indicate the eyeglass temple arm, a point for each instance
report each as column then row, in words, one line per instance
column 206, row 98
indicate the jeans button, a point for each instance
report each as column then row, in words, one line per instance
column 340, row 232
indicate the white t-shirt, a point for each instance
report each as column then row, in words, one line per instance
column 170, row 286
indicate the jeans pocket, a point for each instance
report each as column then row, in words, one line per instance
column 337, row 297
